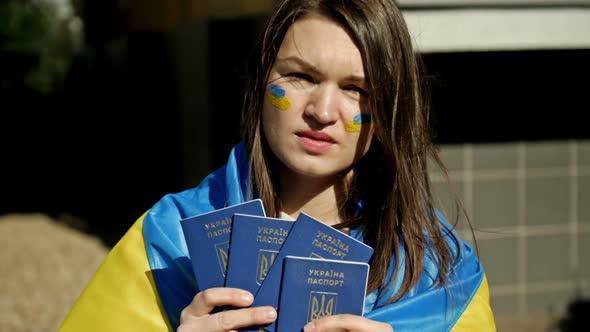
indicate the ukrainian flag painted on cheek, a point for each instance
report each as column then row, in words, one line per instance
column 357, row 123
column 277, row 97
column 147, row 279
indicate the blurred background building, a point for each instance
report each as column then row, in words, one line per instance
column 108, row 105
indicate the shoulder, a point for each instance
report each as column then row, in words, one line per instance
column 225, row 186
column 208, row 195
column 464, row 258
column 163, row 219
column 458, row 304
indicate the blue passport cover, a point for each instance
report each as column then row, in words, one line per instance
column 255, row 243
column 309, row 237
column 313, row 288
column 207, row 239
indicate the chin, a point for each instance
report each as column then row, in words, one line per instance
column 319, row 171
column 315, row 166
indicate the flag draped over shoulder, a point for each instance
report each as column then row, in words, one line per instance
column 147, row 279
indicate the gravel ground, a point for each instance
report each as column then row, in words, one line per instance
column 44, row 266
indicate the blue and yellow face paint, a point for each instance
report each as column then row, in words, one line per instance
column 277, row 97
column 357, row 123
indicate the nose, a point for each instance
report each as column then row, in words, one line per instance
column 322, row 105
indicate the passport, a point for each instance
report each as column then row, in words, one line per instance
column 255, row 243
column 313, row 288
column 309, row 237
column 207, row 239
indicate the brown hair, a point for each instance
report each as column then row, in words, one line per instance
column 391, row 179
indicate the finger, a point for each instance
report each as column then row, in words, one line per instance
column 204, row 302
column 232, row 320
column 349, row 323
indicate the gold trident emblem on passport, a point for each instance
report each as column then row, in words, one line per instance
column 321, row 304
column 265, row 260
column 222, row 249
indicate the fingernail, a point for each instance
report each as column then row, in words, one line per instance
column 247, row 297
column 310, row 327
column 271, row 313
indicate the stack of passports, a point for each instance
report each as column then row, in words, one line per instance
column 306, row 269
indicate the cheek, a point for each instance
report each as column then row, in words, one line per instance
column 272, row 122
column 268, row 118
column 362, row 128
column 277, row 97
column 358, row 122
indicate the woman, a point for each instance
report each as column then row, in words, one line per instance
column 335, row 125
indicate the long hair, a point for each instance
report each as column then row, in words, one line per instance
column 391, row 180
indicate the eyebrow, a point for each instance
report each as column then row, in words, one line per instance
column 306, row 66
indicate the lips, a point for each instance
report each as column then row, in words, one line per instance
column 315, row 142
column 316, row 136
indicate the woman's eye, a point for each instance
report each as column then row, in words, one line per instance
column 301, row 76
column 357, row 89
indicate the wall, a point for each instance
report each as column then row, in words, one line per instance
column 528, row 204
column 510, row 130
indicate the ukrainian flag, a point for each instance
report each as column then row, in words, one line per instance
column 146, row 280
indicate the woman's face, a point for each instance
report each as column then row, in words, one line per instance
column 315, row 115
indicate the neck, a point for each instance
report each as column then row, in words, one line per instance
column 317, row 197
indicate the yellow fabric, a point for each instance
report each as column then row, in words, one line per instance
column 478, row 315
column 121, row 296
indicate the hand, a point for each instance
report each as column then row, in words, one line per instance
column 346, row 323
column 197, row 315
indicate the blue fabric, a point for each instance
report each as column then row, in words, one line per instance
column 425, row 307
